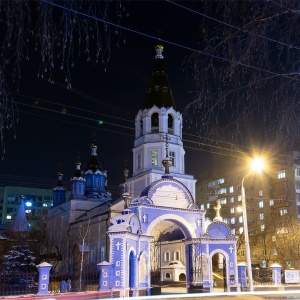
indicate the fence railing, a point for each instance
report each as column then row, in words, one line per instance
column 18, row 283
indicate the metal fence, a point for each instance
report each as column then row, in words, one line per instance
column 63, row 283
column 18, row 283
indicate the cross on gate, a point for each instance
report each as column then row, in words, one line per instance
column 118, row 244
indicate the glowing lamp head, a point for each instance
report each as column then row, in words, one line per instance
column 257, row 165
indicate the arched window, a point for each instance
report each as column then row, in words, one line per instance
column 170, row 124
column 167, row 256
column 168, row 275
column 154, row 122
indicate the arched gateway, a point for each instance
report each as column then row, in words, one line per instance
column 164, row 202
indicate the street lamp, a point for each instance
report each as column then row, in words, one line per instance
column 257, row 165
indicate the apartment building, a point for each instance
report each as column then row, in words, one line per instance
column 271, row 198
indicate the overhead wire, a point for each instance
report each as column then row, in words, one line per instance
column 212, row 143
column 232, row 26
column 169, row 42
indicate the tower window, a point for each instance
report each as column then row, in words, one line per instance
column 154, row 122
column 170, row 124
column 154, row 157
column 172, row 157
column 139, row 161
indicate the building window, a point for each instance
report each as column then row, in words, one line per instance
column 139, row 161
column 271, row 202
column 154, row 122
column 172, row 157
column 221, row 191
column 261, row 216
column 223, row 201
column 170, row 124
column 232, row 220
column 260, row 193
column 221, row 180
column 297, row 172
column 8, row 217
column 281, row 174
column 240, row 219
column 102, row 253
column 176, row 255
column 207, row 205
column 261, row 204
column 239, row 198
column 154, row 157
column 202, row 206
column 241, row 230
column 232, row 231
column 231, row 189
column 283, row 212
column 167, row 256
column 262, row 227
column 231, row 199
column 232, row 210
column 168, row 276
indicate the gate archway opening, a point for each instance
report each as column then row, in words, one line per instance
column 167, row 254
column 219, row 271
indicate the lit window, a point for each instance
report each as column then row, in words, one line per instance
column 223, row 201
column 208, row 205
column 283, row 212
column 221, row 180
column 172, row 157
column 281, row 174
column 232, row 210
column 260, row 193
column 139, row 161
column 28, row 203
column 27, row 211
column 8, row 217
column 202, row 206
column 232, row 220
column 261, row 216
column 239, row 198
column 154, row 157
column 261, row 204
column 45, row 204
column 222, row 191
column 241, row 230
column 231, row 199
column 262, row 227
column 271, row 202
column 231, row 189
column 240, row 219
column 232, row 231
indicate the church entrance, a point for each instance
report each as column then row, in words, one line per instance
column 167, row 255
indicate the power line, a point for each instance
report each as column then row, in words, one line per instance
column 232, row 26
column 171, row 43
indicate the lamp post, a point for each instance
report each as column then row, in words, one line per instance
column 257, row 166
column 246, row 235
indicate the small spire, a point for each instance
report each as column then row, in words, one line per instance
column 94, row 146
column 60, row 177
column 159, row 50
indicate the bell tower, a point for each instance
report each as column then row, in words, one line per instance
column 158, row 123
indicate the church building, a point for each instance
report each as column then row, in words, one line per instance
column 155, row 231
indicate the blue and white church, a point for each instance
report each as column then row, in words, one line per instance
column 160, row 210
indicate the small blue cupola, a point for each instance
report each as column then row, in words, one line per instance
column 59, row 192
column 95, row 176
column 77, row 182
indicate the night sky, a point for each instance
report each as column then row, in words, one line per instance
column 56, row 123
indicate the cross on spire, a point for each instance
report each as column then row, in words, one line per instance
column 167, row 162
